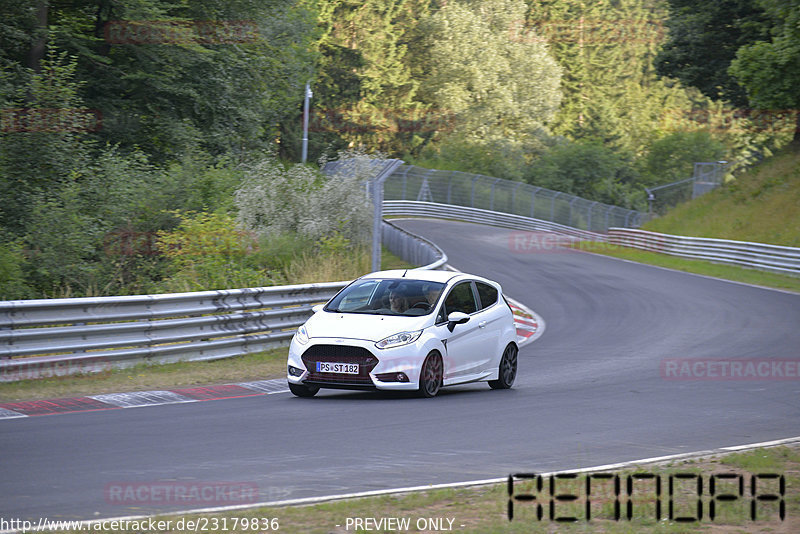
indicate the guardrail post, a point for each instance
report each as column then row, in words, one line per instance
column 589, row 216
column 533, row 200
column 472, row 196
column 570, row 210
column 377, row 199
column 553, row 207
column 514, row 196
column 405, row 182
column 491, row 196
column 450, row 188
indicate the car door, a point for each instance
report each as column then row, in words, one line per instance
column 462, row 344
column 492, row 319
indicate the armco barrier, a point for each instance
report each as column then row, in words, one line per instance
column 413, row 208
column 774, row 258
column 412, row 248
column 124, row 331
column 54, row 337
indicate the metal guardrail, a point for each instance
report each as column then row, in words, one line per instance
column 56, row 337
column 410, row 208
column 53, row 337
column 412, row 248
column 774, row 258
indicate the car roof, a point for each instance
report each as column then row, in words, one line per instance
column 425, row 274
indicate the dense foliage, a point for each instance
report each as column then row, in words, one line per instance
column 135, row 131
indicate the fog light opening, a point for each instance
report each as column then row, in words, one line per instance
column 392, row 377
column 294, row 371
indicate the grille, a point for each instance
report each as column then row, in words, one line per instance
column 342, row 354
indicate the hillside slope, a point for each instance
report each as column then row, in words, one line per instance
column 762, row 205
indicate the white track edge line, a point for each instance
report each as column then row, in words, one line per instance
column 375, row 493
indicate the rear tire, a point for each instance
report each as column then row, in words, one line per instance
column 430, row 377
column 508, row 369
column 301, row 390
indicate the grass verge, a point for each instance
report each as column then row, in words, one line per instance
column 727, row 272
column 257, row 366
column 761, row 205
column 484, row 509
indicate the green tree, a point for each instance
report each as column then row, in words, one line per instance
column 672, row 157
column 366, row 81
column 590, row 170
column 170, row 76
column 769, row 70
column 40, row 146
column 611, row 93
column 482, row 68
column 704, row 38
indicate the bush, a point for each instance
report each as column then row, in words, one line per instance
column 589, row 170
column 672, row 157
column 13, row 285
column 208, row 251
column 499, row 158
column 277, row 199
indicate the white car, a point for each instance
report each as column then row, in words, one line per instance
column 407, row 330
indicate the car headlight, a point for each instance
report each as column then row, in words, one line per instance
column 398, row 340
column 301, row 336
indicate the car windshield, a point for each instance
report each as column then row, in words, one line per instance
column 387, row 297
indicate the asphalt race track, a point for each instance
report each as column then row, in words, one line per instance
column 590, row 391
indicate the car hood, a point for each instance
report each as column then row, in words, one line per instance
column 362, row 326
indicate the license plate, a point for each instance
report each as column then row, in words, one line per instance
column 333, row 367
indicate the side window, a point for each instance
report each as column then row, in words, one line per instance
column 460, row 299
column 487, row 294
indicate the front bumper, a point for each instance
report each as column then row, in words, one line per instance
column 371, row 361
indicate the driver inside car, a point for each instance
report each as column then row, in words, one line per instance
column 398, row 302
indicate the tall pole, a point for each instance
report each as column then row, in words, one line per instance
column 377, row 202
column 307, row 97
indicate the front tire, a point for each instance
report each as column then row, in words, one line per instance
column 430, row 377
column 508, row 369
column 301, row 390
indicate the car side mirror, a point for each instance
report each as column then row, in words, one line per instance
column 317, row 307
column 456, row 318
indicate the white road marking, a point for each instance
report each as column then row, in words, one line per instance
column 137, row 399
